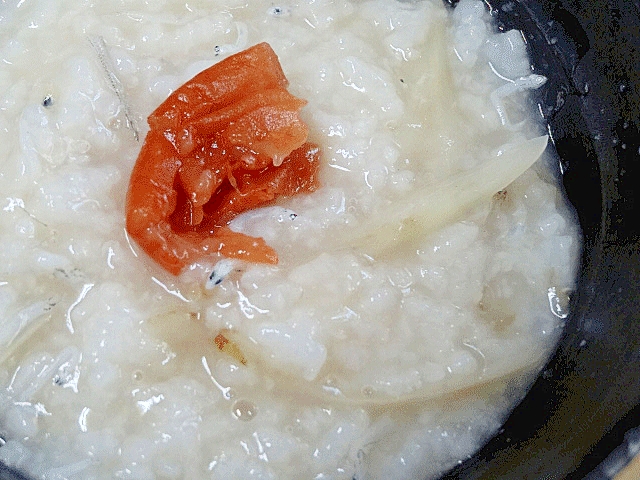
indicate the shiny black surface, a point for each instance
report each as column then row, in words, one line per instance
column 587, row 397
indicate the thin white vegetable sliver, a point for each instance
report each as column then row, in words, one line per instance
column 448, row 201
column 419, row 215
column 16, row 328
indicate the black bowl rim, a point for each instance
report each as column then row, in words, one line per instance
column 577, row 412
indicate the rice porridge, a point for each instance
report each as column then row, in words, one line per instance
column 417, row 292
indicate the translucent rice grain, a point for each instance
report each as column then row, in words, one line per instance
column 507, row 53
column 471, row 32
column 292, row 347
column 33, row 376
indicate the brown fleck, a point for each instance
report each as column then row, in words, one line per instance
column 500, row 196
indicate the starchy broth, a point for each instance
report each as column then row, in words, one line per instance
column 417, row 291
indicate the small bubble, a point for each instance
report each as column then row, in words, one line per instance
column 137, row 375
column 622, row 87
column 586, row 88
column 614, row 142
column 367, row 391
column 623, row 146
column 553, row 41
column 244, row 410
column 47, row 101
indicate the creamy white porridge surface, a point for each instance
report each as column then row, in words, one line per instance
column 370, row 352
